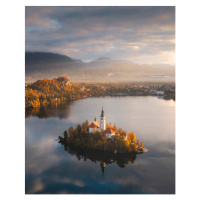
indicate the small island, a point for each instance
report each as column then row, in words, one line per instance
column 105, row 138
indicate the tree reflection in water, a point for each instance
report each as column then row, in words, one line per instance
column 105, row 158
column 52, row 110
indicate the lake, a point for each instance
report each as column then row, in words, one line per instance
column 52, row 168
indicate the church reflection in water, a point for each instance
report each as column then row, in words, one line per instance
column 105, row 158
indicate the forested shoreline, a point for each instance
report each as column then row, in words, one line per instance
column 62, row 90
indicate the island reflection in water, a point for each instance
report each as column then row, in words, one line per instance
column 105, row 158
column 52, row 170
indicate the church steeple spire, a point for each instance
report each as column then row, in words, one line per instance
column 102, row 112
column 102, row 120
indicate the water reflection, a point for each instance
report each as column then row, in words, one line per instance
column 52, row 110
column 105, row 158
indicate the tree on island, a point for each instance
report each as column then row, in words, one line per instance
column 115, row 127
column 131, row 137
column 71, row 131
column 85, row 125
column 79, row 129
column 142, row 144
column 65, row 134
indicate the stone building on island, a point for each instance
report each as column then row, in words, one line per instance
column 109, row 132
column 94, row 126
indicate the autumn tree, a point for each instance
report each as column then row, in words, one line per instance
column 97, row 136
column 119, row 130
column 71, row 131
column 107, row 125
column 85, row 126
column 110, row 146
column 142, row 144
column 115, row 127
column 85, row 123
column 99, row 145
column 79, row 129
column 131, row 137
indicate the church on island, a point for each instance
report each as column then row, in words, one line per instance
column 128, row 141
column 94, row 126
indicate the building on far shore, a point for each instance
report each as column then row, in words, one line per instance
column 160, row 92
column 153, row 91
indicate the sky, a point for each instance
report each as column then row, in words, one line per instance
column 140, row 34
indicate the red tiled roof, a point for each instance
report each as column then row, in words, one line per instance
column 109, row 130
column 94, row 124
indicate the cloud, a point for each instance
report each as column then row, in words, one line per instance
column 91, row 32
column 73, row 182
column 37, row 186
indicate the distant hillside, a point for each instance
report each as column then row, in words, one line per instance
column 104, row 62
column 43, row 57
column 41, row 65
column 163, row 66
column 43, row 92
column 56, row 85
column 50, row 64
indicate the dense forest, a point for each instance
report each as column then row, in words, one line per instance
column 43, row 92
column 80, row 137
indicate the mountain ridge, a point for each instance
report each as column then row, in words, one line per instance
column 40, row 65
column 45, row 56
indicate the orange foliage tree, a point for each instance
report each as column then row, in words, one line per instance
column 131, row 137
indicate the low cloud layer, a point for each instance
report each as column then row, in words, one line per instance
column 139, row 34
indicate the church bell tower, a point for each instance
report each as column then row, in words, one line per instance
column 102, row 121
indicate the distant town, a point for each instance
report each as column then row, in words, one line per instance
column 165, row 90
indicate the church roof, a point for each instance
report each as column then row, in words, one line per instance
column 94, row 124
column 109, row 130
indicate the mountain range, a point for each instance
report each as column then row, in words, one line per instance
column 41, row 65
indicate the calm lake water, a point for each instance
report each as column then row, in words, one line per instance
column 51, row 168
